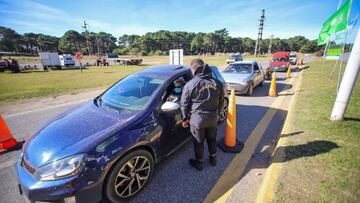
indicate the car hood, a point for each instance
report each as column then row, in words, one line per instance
column 236, row 77
column 278, row 63
column 73, row 132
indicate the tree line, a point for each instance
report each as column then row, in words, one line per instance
column 151, row 43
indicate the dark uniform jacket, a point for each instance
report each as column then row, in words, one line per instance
column 202, row 98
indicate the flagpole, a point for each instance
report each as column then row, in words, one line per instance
column 348, row 81
column 343, row 49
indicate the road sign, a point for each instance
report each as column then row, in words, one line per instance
column 78, row 55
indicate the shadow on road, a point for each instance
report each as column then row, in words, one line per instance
column 175, row 181
column 263, row 90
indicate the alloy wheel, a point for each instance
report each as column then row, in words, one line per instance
column 223, row 112
column 132, row 176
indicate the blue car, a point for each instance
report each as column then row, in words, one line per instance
column 106, row 149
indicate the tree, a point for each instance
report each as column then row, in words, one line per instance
column 197, row 44
column 248, row 45
column 71, row 42
column 219, row 39
column 47, row 43
column 31, row 42
column 309, row 47
column 296, row 42
column 10, row 40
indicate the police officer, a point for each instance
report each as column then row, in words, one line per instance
column 201, row 100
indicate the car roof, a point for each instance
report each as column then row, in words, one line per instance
column 166, row 70
column 244, row 62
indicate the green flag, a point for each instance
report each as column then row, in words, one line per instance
column 336, row 23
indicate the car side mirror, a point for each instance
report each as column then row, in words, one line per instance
column 170, row 106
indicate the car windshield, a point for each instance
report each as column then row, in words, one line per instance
column 280, row 59
column 132, row 93
column 239, row 68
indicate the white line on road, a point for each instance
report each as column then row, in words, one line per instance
column 47, row 108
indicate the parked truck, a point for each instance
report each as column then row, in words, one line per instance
column 50, row 60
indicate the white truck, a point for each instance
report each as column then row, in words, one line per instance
column 67, row 60
column 50, row 60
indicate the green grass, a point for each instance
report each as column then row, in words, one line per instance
column 39, row 83
column 322, row 163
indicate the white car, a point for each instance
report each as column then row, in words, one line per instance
column 234, row 57
column 293, row 58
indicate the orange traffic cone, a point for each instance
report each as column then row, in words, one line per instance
column 288, row 73
column 6, row 139
column 229, row 143
column 272, row 90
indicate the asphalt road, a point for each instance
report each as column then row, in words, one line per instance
column 174, row 180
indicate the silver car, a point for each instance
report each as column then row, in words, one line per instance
column 234, row 57
column 243, row 76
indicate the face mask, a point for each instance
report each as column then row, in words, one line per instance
column 177, row 90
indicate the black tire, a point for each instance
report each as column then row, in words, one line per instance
column 122, row 167
column 250, row 90
column 223, row 113
column 262, row 82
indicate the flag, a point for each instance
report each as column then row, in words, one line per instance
column 336, row 23
column 353, row 22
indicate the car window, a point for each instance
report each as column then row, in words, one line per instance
column 132, row 93
column 256, row 67
column 174, row 90
column 244, row 68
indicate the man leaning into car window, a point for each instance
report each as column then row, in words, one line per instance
column 201, row 100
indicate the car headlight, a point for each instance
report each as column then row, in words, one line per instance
column 60, row 169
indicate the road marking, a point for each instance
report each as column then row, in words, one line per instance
column 224, row 186
column 266, row 191
column 47, row 108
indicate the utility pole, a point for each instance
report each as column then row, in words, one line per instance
column 259, row 38
column 270, row 44
column 348, row 82
column 87, row 36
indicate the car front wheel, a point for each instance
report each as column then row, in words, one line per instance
column 250, row 90
column 129, row 176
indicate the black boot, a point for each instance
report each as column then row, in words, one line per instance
column 198, row 165
column 213, row 161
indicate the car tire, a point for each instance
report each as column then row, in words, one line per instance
column 250, row 90
column 262, row 82
column 223, row 112
column 122, row 175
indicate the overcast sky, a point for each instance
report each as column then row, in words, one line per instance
column 284, row 18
